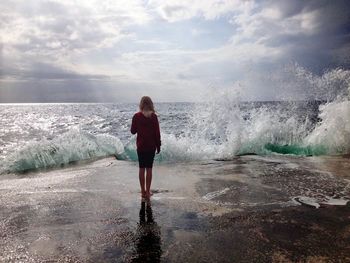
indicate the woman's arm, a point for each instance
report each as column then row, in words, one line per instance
column 133, row 128
column 158, row 141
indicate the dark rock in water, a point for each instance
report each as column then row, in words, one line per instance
column 246, row 154
column 223, row 159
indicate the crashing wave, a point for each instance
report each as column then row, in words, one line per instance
column 70, row 147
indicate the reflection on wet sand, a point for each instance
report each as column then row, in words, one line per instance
column 148, row 241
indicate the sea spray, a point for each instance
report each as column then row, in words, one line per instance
column 333, row 131
column 215, row 125
column 273, row 125
column 223, row 126
column 282, row 127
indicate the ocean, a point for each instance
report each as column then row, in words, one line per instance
column 234, row 180
column 37, row 136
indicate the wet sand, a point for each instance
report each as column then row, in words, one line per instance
column 249, row 209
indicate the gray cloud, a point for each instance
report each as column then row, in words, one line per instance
column 86, row 51
column 43, row 71
column 326, row 31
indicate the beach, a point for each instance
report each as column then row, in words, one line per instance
column 245, row 209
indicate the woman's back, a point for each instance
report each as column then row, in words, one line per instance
column 147, row 129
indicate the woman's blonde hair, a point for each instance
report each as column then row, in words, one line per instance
column 146, row 103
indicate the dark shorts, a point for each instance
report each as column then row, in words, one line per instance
column 146, row 159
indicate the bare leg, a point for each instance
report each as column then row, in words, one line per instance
column 142, row 181
column 148, row 181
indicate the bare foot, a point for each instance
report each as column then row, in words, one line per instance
column 143, row 194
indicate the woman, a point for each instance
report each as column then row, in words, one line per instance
column 145, row 124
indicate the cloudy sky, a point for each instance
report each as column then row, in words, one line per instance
column 116, row 50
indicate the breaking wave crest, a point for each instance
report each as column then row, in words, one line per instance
column 70, row 147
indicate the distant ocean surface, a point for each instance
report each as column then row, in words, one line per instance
column 34, row 136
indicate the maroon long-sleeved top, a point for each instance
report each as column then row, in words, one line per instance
column 148, row 132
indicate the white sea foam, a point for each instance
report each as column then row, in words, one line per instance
column 212, row 195
column 334, row 130
column 335, row 201
column 314, row 202
column 309, row 201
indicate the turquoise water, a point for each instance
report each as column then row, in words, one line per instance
column 314, row 150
